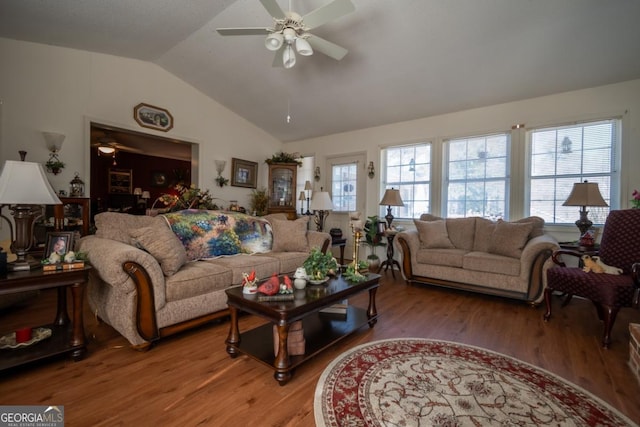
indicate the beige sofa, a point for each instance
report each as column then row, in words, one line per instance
column 475, row 254
column 145, row 287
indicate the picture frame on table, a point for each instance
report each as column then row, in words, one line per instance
column 244, row 173
column 59, row 242
column 152, row 117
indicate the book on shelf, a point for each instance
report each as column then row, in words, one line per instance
column 340, row 308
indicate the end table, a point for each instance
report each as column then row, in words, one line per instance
column 390, row 262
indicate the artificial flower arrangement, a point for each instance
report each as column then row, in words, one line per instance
column 67, row 261
column 283, row 157
column 188, row 198
column 319, row 265
column 635, row 202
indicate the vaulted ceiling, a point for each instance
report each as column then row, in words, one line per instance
column 407, row 58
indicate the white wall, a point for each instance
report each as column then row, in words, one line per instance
column 621, row 99
column 46, row 88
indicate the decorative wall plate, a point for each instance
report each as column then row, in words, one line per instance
column 37, row 335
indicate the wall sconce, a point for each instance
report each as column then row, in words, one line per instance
column 371, row 170
column 316, row 174
column 54, row 142
column 220, row 165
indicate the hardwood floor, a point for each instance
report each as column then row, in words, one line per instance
column 189, row 379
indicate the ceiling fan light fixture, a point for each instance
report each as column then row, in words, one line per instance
column 288, row 57
column 273, row 41
column 106, row 150
column 303, row 47
column 289, row 35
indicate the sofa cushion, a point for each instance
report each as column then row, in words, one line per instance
column 290, row 236
column 441, row 257
column 117, row 226
column 484, row 234
column 263, row 265
column 491, row 263
column 197, row 278
column 433, row 234
column 287, row 261
column 460, row 230
column 162, row 244
column 538, row 225
column 509, row 238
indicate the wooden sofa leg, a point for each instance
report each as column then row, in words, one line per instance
column 144, row 347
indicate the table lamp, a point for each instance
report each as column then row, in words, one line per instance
column 391, row 198
column 321, row 204
column 25, row 188
column 585, row 194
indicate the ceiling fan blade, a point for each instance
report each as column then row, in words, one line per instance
column 273, row 8
column 324, row 46
column 248, row 31
column 328, row 12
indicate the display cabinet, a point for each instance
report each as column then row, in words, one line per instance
column 72, row 215
column 282, row 188
column 120, row 181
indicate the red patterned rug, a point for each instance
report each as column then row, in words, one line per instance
column 419, row 382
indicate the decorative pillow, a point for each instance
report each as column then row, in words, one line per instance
column 509, row 238
column 290, row 236
column 538, row 225
column 461, row 232
column 484, row 234
column 433, row 234
column 161, row 242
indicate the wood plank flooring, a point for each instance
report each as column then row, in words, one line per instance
column 189, row 380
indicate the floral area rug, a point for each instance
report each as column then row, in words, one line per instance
column 418, row 382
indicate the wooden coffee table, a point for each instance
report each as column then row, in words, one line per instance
column 320, row 330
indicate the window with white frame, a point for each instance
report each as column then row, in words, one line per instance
column 408, row 168
column 563, row 155
column 478, row 176
column 344, row 186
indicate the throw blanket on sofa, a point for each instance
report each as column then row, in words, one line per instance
column 209, row 234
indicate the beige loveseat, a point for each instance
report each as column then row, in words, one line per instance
column 476, row 254
column 145, row 286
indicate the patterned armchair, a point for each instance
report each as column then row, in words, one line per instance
column 619, row 247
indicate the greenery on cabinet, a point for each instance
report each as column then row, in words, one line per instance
column 282, row 157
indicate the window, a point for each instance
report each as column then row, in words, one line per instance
column 408, row 168
column 477, row 170
column 344, row 186
column 562, row 156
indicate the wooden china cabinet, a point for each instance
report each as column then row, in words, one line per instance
column 282, row 188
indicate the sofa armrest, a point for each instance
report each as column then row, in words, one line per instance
column 318, row 239
column 108, row 258
column 533, row 264
column 409, row 243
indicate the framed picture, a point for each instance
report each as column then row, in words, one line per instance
column 244, row 173
column 159, row 179
column 153, row 117
column 59, row 242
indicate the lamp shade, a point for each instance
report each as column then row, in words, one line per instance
column 273, row 41
column 137, row 191
column 288, row 57
column 321, row 201
column 146, row 195
column 302, row 196
column 53, row 140
column 25, row 183
column 303, row 47
column 391, row 198
column 307, row 186
column 106, row 149
column 585, row 194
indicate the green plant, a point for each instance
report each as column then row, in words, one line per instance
column 221, row 181
column 188, row 198
column 318, row 265
column 372, row 235
column 283, row 157
column 353, row 275
column 54, row 165
column 259, row 201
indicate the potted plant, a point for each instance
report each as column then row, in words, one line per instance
column 259, row 201
column 54, row 166
column 373, row 239
column 319, row 265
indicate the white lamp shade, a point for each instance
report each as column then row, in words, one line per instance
column 303, row 47
column 137, row 191
column 273, row 41
column 288, row 57
column 106, row 149
column 25, row 183
column 321, row 201
column 54, row 141
column 585, row 194
column 391, row 198
column 146, row 195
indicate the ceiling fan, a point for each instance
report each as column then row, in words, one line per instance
column 292, row 30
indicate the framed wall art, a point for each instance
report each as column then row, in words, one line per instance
column 153, row 117
column 244, row 173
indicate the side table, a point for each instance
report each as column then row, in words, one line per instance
column 341, row 243
column 67, row 335
column 389, row 262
